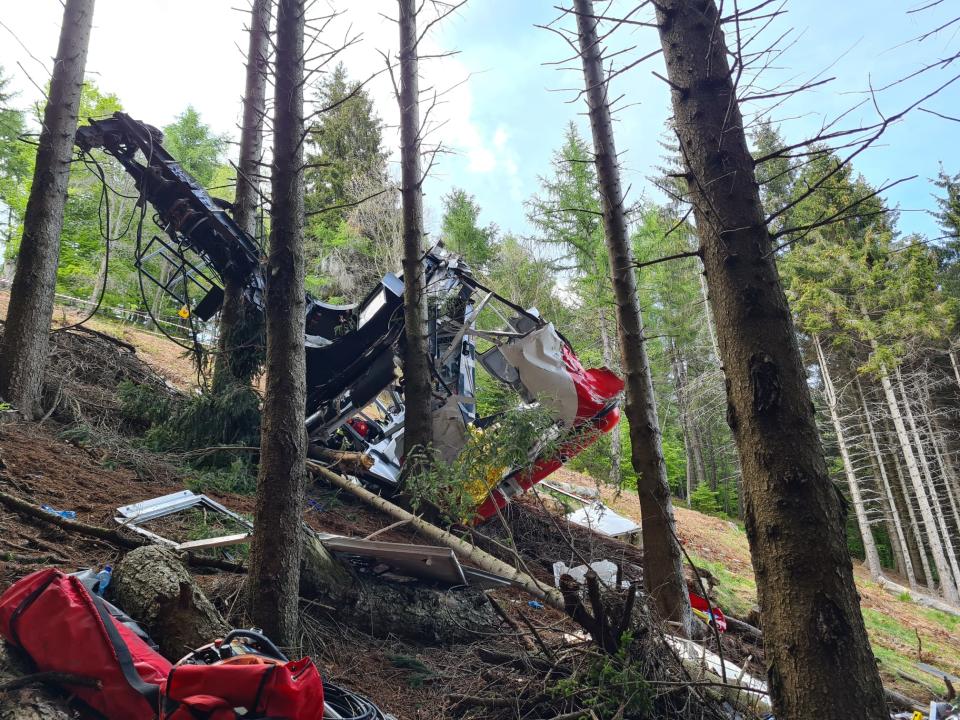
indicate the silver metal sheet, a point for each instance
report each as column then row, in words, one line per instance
column 600, row 518
column 420, row 561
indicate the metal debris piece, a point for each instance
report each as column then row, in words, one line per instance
column 134, row 515
column 598, row 517
column 419, row 561
column 216, row 542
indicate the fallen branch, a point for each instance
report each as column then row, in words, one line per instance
column 114, row 537
column 348, row 459
column 918, row 598
column 744, row 628
column 465, row 550
column 49, row 678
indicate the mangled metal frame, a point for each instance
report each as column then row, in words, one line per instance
column 133, row 516
column 352, row 351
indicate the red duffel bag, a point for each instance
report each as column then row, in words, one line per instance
column 61, row 627
column 291, row 690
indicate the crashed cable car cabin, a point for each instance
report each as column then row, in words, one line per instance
column 354, row 388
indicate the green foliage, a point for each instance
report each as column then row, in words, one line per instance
column 461, row 232
column 194, row 145
column 527, row 280
column 141, row 406
column 705, row 500
column 344, row 141
column 456, row 488
column 228, row 417
column 239, row 478
column 417, row 674
column 246, row 343
column 609, row 686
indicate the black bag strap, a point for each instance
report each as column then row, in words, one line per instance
column 149, row 691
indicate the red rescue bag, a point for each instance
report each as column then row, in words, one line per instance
column 63, row 628
column 269, row 689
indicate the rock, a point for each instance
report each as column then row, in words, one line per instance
column 153, row 587
column 29, row 703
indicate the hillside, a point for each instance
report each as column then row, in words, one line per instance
column 902, row 632
column 52, row 463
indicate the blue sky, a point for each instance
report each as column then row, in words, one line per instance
column 502, row 122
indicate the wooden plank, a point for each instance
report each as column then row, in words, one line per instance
column 216, row 542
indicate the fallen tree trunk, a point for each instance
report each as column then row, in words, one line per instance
column 109, row 535
column 918, row 598
column 744, row 628
column 465, row 550
column 153, row 587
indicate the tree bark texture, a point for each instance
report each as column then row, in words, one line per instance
column 418, row 420
column 23, row 352
column 947, row 588
column 917, row 548
column 818, row 654
column 663, row 564
column 245, row 201
column 856, row 499
column 275, row 551
column 153, row 587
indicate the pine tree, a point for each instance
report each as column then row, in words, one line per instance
column 567, row 216
column 462, row 233
column 662, row 560
column 794, row 517
column 239, row 344
column 273, row 585
column 418, row 425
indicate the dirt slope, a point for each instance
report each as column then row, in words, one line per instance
column 902, row 632
column 161, row 354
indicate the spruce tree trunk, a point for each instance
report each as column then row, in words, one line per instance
column 942, row 454
column 856, row 499
column 918, row 550
column 952, row 578
column 245, row 201
column 953, row 364
column 663, row 567
column 616, row 449
column 23, row 352
column 947, row 588
column 689, row 424
column 275, row 551
column 696, row 473
column 905, row 561
column 818, row 654
column 418, row 420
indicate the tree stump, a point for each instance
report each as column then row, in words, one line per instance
column 153, row 587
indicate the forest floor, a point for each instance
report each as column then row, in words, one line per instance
column 48, row 463
column 902, row 632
